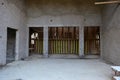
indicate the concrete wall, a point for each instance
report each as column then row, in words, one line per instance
column 63, row 13
column 50, row 13
column 13, row 15
column 42, row 13
column 111, row 33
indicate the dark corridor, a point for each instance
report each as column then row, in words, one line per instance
column 92, row 40
column 36, row 40
column 11, row 44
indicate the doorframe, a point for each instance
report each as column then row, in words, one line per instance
column 67, row 27
column 99, row 39
column 16, row 44
column 29, row 39
column 45, row 51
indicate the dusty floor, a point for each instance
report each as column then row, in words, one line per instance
column 56, row 69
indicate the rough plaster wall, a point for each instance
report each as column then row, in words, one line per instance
column 63, row 12
column 12, row 14
column 2, row 35
column 111, row 33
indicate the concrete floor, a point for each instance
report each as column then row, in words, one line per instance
column 35, row 68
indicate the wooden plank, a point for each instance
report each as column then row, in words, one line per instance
column 107, row 2
column 116, row 78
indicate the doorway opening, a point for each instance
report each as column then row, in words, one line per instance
column 92, row 40
column 64, row 40
column 11, row 45
column 36, row 40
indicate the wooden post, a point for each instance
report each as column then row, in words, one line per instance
column 107, row 2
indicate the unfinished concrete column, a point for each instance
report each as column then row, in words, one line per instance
column 81, row 41
column 45, row 42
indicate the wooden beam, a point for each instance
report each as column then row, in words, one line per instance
column 107, row 2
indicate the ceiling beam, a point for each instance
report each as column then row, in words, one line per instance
column 108, row 2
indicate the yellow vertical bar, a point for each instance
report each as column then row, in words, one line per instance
column 60, row 46
column 71, row 46
column 78, row 46
column 42, row 46
column 38, row 46
column 63, row 47
column 50, row 42
column 74, row 46
column 66, row 46
column 49, row 46
column 57, row 46
column 53, row 46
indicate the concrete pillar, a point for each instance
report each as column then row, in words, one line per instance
column 45, row 42
column 81, row 41
column 3, row 43
column 17, row 46
column 3, row 34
